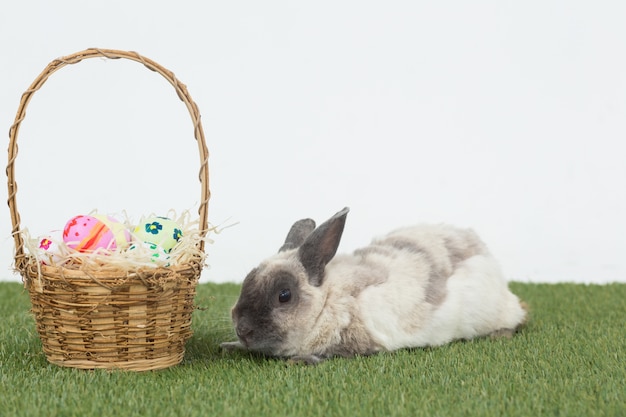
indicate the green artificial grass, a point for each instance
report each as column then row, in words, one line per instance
column 570, row 360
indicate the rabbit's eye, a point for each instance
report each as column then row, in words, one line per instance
column 284, row 295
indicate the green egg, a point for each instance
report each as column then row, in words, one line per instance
column 161, row 231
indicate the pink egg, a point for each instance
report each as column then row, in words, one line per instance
column 89, row 233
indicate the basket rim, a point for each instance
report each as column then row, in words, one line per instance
column 36, row 276
column 20, row 257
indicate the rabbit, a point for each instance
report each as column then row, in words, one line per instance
column 418, row 286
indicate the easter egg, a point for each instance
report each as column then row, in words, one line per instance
column 160, row 231
column 49, row 251
column 120, row 232
column 152, row 252
column 89, row 233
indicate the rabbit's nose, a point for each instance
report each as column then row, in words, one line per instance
column 243, row 332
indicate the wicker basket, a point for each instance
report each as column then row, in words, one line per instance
column 135, row 319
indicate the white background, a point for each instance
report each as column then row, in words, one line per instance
column 508, row 117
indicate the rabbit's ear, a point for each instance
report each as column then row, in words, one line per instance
column 297, row 234
column 321, row 245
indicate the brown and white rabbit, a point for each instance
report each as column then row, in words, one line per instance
column 417, row 286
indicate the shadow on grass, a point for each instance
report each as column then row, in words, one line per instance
column 202, row 351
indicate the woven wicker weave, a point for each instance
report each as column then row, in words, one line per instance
column 135, row 319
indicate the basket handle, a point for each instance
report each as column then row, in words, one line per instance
column 183, row 94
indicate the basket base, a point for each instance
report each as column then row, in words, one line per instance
column 134, row 365
column 130, row 320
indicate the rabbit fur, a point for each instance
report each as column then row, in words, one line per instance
column 417, row 286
